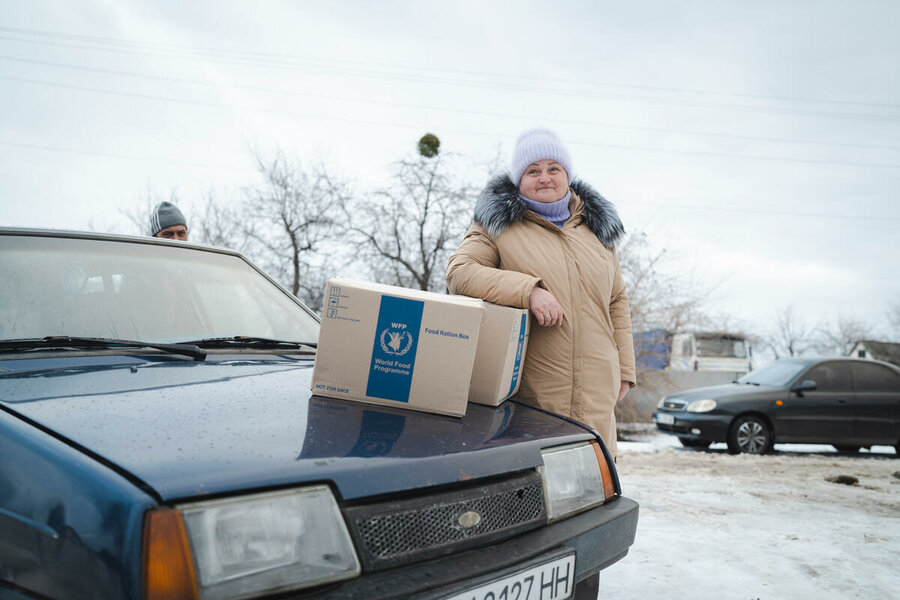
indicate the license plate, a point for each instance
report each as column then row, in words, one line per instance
column 665, row 419
column 553, row 580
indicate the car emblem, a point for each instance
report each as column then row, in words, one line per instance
column 469, row 519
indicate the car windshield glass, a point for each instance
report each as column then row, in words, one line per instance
column 721, row 348
column 777, row 373
column 106, row 288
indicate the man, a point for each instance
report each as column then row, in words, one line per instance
column 166, row 221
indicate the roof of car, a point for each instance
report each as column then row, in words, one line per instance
column 854, row 359
column 94, row 235
column 809, row 360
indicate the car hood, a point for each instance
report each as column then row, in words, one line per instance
column 728, row 391
column 186, row 429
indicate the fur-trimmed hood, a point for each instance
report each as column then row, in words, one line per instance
column 499, row 206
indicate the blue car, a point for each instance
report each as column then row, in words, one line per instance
column 158, row 440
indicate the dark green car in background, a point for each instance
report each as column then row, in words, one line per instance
column 846, row 402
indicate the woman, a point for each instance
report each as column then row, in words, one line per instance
column 543, row 241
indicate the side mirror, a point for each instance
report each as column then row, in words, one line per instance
column 807, row 385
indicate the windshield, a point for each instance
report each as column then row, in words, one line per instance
column 52, row 286
column 721, row 348
column 777, row 373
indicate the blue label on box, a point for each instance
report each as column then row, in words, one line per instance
column 394, row 349
column 518, row 364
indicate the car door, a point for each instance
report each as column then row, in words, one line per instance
column 877, row 391
column 823, row 415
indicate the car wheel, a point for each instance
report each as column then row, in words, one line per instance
column 846, row 449
column 694, row 443
column 751, row 435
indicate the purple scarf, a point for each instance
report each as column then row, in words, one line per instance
column 555, row 212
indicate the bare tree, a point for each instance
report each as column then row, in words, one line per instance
column 791, row 336
column 663, row 300
column 893, row 320
column 138, row 213
column 406, row 232
column 223, row 224
column 294, row 216
column 841, row 336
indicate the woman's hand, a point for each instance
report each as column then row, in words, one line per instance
column 544, row 307
column 623, row 389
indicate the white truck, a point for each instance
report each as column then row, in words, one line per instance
column 710, row 351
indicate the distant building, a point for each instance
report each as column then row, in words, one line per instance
column 886, row 351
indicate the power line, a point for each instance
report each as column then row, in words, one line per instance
column 122, row 156
column 358, row 99
column 658, row 205
column 407, row 126
column 225, row 58
column 785, row 213
column 369, row 64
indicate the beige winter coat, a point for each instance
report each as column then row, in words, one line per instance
column 574, row 369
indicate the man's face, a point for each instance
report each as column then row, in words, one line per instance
column 175, row 232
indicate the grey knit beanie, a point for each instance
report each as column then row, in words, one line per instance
column 165, row 215
column 534, row 145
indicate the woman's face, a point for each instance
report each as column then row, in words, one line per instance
column 544, row 181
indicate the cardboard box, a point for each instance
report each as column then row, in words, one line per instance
column 501, row 354
column 397, row 347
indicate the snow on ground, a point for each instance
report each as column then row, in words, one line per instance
column 717, row 526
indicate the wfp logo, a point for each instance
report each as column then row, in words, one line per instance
column 396, row 340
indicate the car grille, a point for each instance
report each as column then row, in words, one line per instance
column 674, row 404
column 404, row 531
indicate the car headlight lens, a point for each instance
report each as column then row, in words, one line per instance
column 576, row 477
column 704, row 405
column 268, row 543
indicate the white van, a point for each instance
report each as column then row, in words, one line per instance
column 710, row 351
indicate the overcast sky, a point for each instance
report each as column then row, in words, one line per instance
column 759, row 143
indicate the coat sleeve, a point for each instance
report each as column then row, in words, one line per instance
column 474, row 270
column 620, row 314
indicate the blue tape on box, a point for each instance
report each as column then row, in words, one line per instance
column 518, row 363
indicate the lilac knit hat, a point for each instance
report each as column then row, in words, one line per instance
column 534, row 145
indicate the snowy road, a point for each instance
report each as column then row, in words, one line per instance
column 716, row 526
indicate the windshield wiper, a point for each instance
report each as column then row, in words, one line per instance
column 66, row 341
column 243, row 341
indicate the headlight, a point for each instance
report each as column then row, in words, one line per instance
column 705, row 405
column 267, row 543
column 576, row 478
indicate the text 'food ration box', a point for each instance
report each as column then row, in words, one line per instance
column 501, row 354
column 396, row 346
